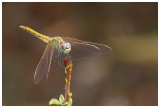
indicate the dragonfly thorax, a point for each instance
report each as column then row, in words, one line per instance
column 60, row 45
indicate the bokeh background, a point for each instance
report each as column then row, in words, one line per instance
column 127, row 76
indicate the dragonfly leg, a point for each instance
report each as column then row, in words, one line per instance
column 59, row 55
column 61, row 58
column 69, row 57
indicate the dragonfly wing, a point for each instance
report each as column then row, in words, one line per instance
column 44, row 64
column 82, row 49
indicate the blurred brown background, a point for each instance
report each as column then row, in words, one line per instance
column 127, row 76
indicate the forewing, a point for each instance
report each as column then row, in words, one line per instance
column 44, row 64
column 82, row 49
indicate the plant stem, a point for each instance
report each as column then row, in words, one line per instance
column 68, row 71
column 67, row 91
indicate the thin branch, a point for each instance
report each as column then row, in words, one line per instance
column 68, row 72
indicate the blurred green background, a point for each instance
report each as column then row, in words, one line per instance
column 127, row 76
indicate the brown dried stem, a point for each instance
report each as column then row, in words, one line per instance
column 68, row 72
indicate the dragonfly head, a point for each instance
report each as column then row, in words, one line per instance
column 65, row 48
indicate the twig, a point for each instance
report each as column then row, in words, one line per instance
column 67, row 101
column 68, row 72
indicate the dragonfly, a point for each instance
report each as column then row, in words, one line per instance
column 68, row 48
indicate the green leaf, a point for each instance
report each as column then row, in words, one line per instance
column 61, row 98
column 54, row 101
column 65, row 103
column 70, row 102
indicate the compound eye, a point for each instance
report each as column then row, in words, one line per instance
column 63, row 46
column 68, row 45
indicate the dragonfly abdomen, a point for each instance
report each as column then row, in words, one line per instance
column 35, row 33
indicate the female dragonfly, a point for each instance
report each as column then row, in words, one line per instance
column 66, row 47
